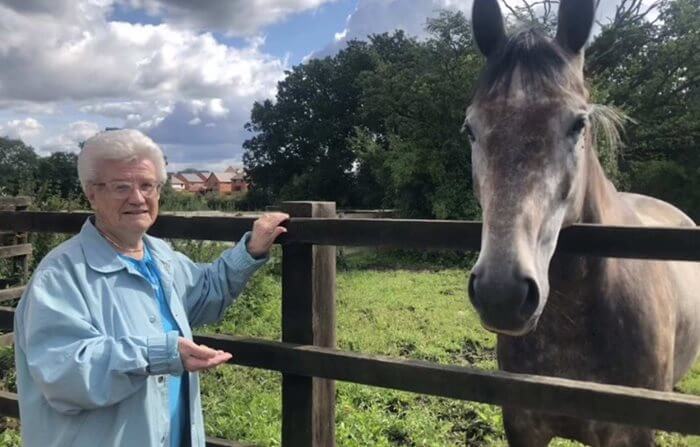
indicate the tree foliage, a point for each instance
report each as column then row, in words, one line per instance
column 23, row 172
column 650, row 68
column 378, row 125
column 18, row 165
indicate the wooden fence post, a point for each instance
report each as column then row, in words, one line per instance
column 308, row 317
column 20, row 264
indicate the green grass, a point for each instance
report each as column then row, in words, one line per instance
column 401, row 313
column 421, row 315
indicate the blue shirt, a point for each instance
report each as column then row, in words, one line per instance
column 91, row 353
column 177, row 392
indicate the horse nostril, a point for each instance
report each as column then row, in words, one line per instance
column 532, row 299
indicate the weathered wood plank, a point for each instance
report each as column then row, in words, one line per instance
column 586, row 400
column 218, row 442
column 11, row 293
column 7, row 317
column 13, row 251
column 596, row 240
column 308, row 317
column 7, row 339
column 20, row 202
column 182, row 227
column 8, row 404
column 8, row 238
column 625, row 405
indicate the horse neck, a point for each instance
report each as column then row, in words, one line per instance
column 599, row 205
column 600, row 195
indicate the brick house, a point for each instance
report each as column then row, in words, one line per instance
column 228, row 182
column 176, row 182
column 193, row 181
column 220, row 182
column 238, row 182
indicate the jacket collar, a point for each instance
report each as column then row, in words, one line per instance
column 102, row 257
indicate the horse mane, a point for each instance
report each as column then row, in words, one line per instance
column 607, row 124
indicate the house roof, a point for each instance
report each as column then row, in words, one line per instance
column 191, row 177
column 223, row 177
column 238, row 170
column 174, row 180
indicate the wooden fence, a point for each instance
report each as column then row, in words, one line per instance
column 307, row 357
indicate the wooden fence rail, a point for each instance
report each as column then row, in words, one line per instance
column 306, row 356
column 681, row 244
column 13, row 244
column 626, row 405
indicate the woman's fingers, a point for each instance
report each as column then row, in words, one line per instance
column 198, row 357
column 198, row 364
column 188, row 347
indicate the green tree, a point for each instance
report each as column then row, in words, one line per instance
column 18, row 167
column 300, row 149
column 57, row 174
column 420, row 90
column 651, row 70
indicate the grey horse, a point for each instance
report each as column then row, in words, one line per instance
column 535, row 171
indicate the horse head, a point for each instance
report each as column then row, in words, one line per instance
column 529, row 127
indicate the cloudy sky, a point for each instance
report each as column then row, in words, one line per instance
column 186, row 72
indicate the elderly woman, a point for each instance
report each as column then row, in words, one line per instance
column 104, row 347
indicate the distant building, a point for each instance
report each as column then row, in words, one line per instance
column 177, row 183
column 193, row 181
column 238, row 180
column 227, row 182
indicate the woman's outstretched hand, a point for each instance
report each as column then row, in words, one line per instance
column 200, row 357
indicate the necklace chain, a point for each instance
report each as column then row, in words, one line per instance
column 111, row 241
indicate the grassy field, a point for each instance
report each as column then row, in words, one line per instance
column 418, row 313
column 404, row 313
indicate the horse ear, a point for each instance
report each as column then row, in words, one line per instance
column 487, row 23
column 575, row 23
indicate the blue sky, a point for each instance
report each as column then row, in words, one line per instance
column 185, row 72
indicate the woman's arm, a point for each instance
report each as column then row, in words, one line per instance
column 210, row 288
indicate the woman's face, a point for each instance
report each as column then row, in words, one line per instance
column 118, row 199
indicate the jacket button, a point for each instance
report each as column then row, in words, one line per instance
column 152, row 319
column 161, row 379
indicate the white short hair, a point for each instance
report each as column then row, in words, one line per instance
column 120, row 145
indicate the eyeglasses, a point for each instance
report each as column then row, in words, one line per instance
column 122, row 189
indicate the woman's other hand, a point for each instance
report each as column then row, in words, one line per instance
column 265, row 230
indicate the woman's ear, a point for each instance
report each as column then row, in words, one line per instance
column 90, row 195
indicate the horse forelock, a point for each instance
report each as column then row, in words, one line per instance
column 529, row 64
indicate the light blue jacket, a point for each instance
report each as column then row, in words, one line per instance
column 90, row 351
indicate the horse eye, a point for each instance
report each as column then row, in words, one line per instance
column 578, row 126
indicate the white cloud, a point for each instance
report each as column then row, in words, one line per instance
column 379, row 16
column 235, row 17
column 139, row 75
column 341, row 35
column 26, row 130
column 65, row 60
column 70, row 138
column 118, row 109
